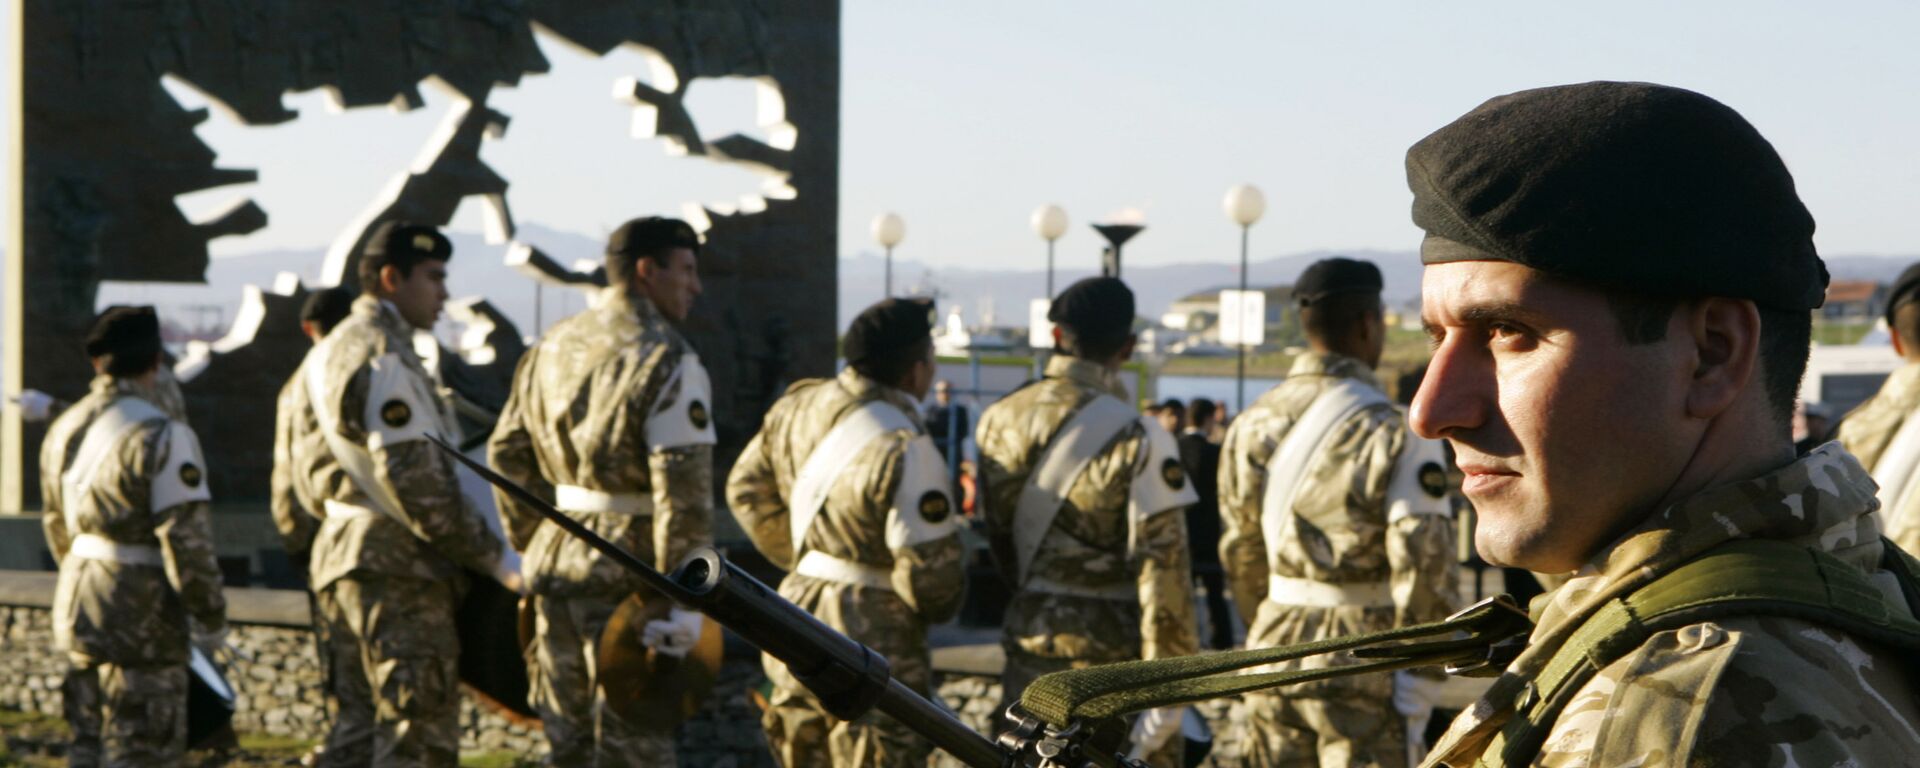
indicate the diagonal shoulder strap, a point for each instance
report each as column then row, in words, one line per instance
column 1090, row 429
column 832, row 456
column 1893, row 471
column 102, row 435
column 1297, row 450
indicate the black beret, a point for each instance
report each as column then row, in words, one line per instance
column 651, row 234
column 1328, row 277
column 889, row 326
column 123, row 327
column 327, row 307
column 394, row 238
column 1635, row 186
column 1903, row 290
column 1095, row 307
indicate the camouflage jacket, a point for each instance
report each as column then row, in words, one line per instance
column 1339, row 530
column 1739, row 691
column 297, row 524
column 386, row 403
column 147, row 490
column 1094, row 542
column 861, row 521
column 591, row 407
column 1869, row 429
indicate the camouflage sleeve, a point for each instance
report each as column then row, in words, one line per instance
column 186, row 539
column 753, row 493
column 682, row 502
column 1001, row 494
column 53, row 519
column 1406, row 478
column 1242, row 485
column 510, row 452
column 420, row 475
column 1164, row 574
column 935, row 577
column 290, row 511
column 922, row 527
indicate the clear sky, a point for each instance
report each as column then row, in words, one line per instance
column 963, row 117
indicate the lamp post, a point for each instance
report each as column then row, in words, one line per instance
column 1116, row 235
column 888, row 230
column 1049, row 222
column 1244, row 205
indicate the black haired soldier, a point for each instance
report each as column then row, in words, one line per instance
column 845, row 490
column 610, row 416
column 1085, row 513
column 127, row 518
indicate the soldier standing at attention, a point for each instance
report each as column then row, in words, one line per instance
column 350, row 740
column 1618, row 285
column 1337, row 523
column 127, row 518
column 390, row 561
column 609, row 417
column 844, row 488
column 1882, row 432
column 1085, row 513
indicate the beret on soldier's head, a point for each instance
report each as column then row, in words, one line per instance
column 652, row 234
column 1337, row 275
column 327, row 306
column 397, row 238
column 1904, row 290
column 1096, row 307
column 1635, row 186
column 122, row 327
column 889, row 326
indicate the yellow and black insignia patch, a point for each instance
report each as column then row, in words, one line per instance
column 396, row 413
column 1173, row 473
column 697, row 412
column 934, row 507
column 190, row 475
column 1433, row 479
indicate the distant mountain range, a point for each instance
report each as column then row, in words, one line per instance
column 1001, row 293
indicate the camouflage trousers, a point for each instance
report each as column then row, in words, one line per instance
column 1329, row 732
column 350, row 741
column 1023, row 668
column 564, row 688
column 400, row 632
column 802, row 735
column 125, row 716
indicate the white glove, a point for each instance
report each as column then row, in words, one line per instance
column 35, row 405
column 676, row 635
column 1152, row 730
column 1414, row 697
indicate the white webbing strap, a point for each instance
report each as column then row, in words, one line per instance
column 1302, row 446
column 353, row 459
column 88, row 546
column 1319, row 594
column 106, row 431
column 823, row 566
column 833, row 455
column 574, row 498
column 1894, row 473
column 1092, row 428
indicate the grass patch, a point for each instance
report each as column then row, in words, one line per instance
column 270, row 746
column 496, row 760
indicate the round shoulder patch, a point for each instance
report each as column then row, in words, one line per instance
column 697, row 413
column 1173, row 473
column 1433, row 479
column 190, row 475
column 396, row 413
column 934, row 507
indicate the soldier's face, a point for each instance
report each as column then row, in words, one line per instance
column 419, row 295
column 673, row 285
column 1565, row 431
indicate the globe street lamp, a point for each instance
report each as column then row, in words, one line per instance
column 1049, row 222
column 1244, row 205
column 888, row 230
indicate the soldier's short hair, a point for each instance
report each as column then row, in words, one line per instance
column 648, row 237
column 1201, row 412
column 127, row 339
column 325, row 308
column 1336, row 319
column 402, row 245
column 885, row 340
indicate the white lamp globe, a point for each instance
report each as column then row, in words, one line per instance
column 1245, row 204
column 889, row 229
column 1049, row 222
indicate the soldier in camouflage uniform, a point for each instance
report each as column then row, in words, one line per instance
column 1881, row 433
column 843, row 488
column 350, row 741
column 390, row 560
column 1618, row 285
column 609, row 417
column 1337, row 522
column 1085, row 513
column 127, row 518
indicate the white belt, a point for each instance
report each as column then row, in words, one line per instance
column 345, row 511
column 1319, row 594
column 826, row 567
column 573, row 498
column 1124, row 591
column 94, row 547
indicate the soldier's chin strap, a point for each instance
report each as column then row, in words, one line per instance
column 1476, row 642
